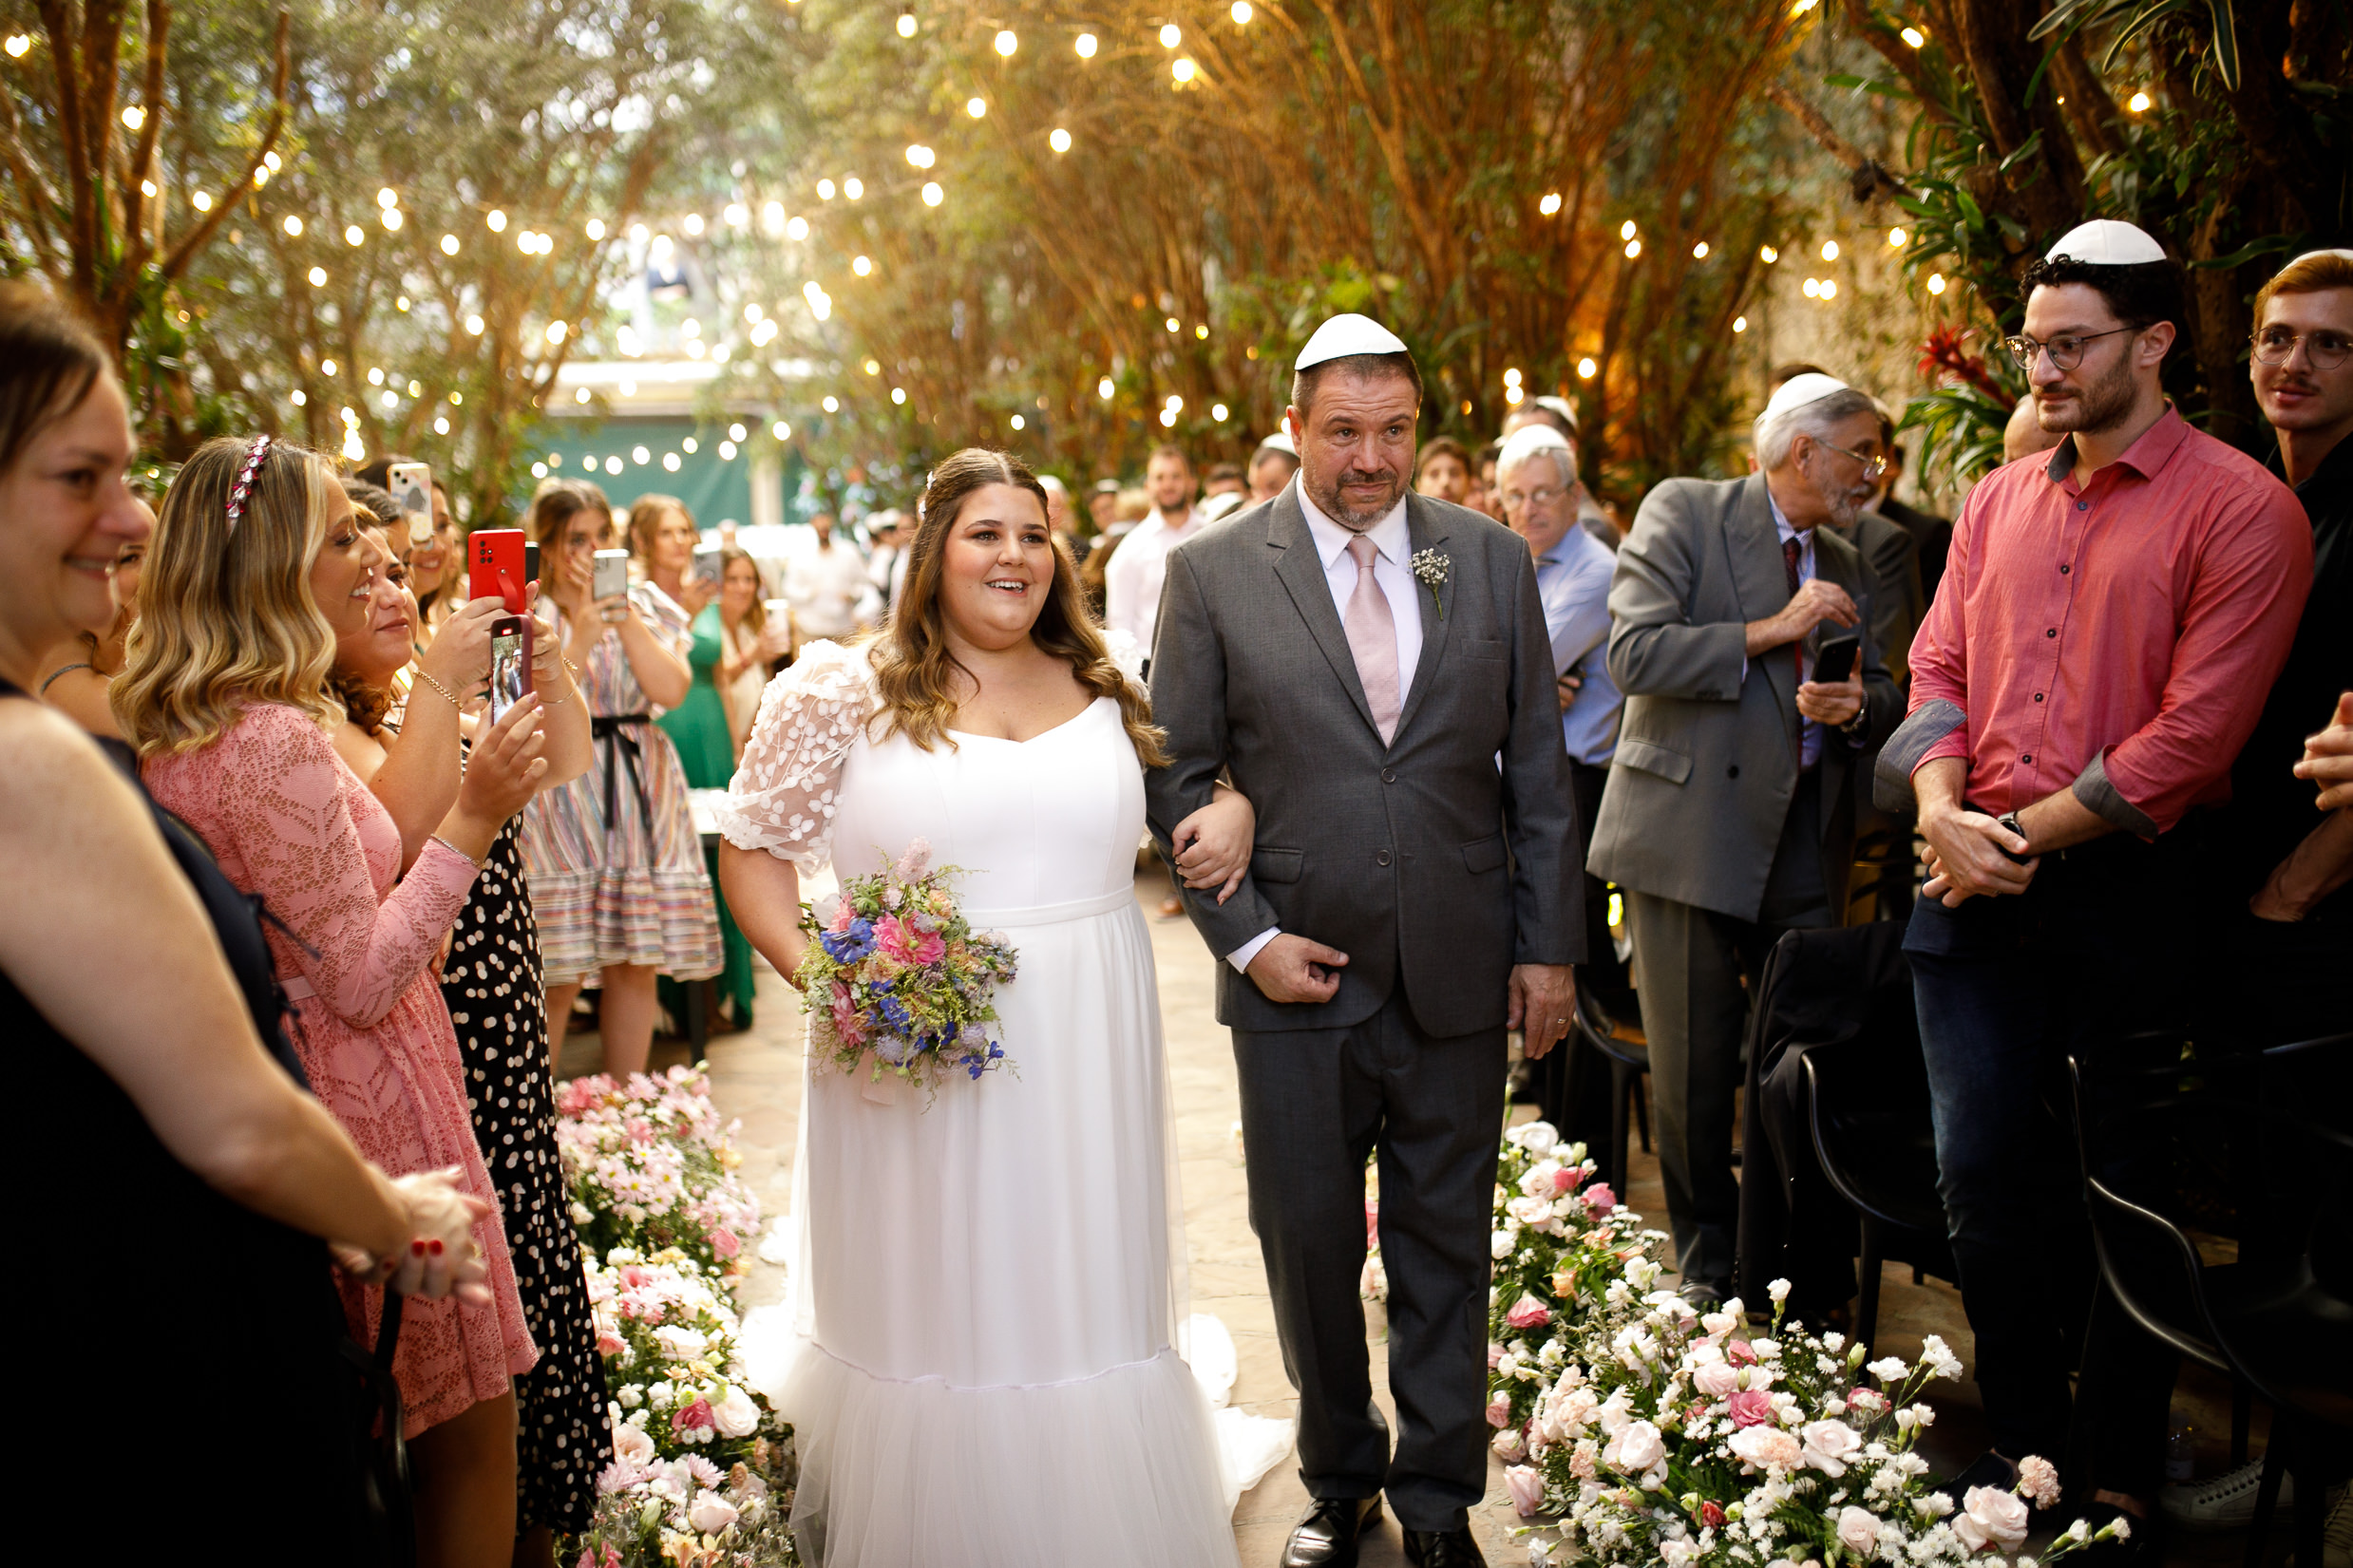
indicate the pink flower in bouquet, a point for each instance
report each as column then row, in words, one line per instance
column 1599, row 1198
column 1372, row 1221
column 709, row 1513
column 1494, row 1356
column 695, row 1418
column 629, row 1445
column 607, row 1343
column 1830, row 1445
column 915, row 861
column 842, row 916
column 1528, row 1312
column 2038, row 1481
column 1566, row 1178
column 723, row 1243
column 1991, row 1515
column 1767, row 1448
column 908, row 943
column 1499, row 1410
column 1751, row 1408
column 1510, row 1447
column 1583, row 1457
column 1527, row 1484
column 1857, row 1530
column 1718, row 1380
column 1637, row 1447
column 1740, row 1353
column 1711, row 1515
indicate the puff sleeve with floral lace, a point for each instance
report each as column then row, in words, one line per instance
column 784, row 794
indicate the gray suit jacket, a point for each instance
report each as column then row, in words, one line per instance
column 1707, row 761
column 1425, row 862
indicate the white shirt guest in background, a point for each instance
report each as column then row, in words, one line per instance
column 1132, row 581
column 830, row 592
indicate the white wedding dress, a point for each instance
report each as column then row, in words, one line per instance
column 987, row 1287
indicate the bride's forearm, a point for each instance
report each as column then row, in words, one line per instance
column 763, row 895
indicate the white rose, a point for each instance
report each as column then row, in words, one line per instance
column 629, row 1445
column 1501, row 1244
column 1828, row 1446
column 2000, row 1515
column 1537, row 1181
column 1857, row 1529
column 1637, row 1447
column 735, row 1415
column 710, row 1513
column 1537, row 1138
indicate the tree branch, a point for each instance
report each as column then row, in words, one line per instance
column 198, row 238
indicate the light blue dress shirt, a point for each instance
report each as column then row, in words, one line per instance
column 1572, row 581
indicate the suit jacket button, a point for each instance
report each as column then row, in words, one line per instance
column 1382, row 858
column 1733, row 772
column 1388, row 775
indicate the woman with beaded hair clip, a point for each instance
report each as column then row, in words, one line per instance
column 257, row 566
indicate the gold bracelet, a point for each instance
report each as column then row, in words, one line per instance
column 574, row 671
column 428, row 680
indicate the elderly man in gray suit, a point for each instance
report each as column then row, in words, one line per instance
column 1730, row 813
column 1371, row 668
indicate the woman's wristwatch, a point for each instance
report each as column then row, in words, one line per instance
column 2009, row 820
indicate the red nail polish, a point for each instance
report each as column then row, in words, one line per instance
column 417, row 1247
column 434, row 1247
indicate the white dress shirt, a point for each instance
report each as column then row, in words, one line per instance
column 1393, row 574
column 830, row 592
column 1132, row 578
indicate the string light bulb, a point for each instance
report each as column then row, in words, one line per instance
column 2138, row 102
column 202, row 201
column 1587, row 368
column 898, row 395
column 318, row 278
column 692, row 224
column 19, row 45
column 1103, row 388
column 796, row 227
column 977, row 107
column 1551, row 204
column 1913, row 36
column 497, row 221
column 1936, row 283
column 596, row 228
column 1182, row 68
column 1830, row 250
column 1085, row 43
column 1700, row 251
column 133, row 117
column 355, row 235
column 826, row 189
column 1007, row 43
column 863, row 266
column 1896, row 237
column 906, row 26
column 1740, row 324
column 1171, row 35
column 933, row 195
column 1018, row 422
column 1241, row 19
column 392, row 218
column 1767, row 255
column 921, row 156
column 1218, row 410
column 1634, row 248
column 1059, row 140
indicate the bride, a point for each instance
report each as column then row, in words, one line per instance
column 988, row 1285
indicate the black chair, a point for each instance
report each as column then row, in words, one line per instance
column 2166, row 1141
column 1629, row 1064
column 1867, row 1105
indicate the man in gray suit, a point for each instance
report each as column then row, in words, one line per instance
column 1356, row 659
column 1730, row 813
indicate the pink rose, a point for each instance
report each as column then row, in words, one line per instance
column 1857, row 1530
column 607, row 1343
column 1739, row 1355
column 1599, row 1198
column 695, row 1417
column 1751, row 1408
column 632, row 1446
column 1527, row 1484
column 1528, row 1312
column 1767, row 1448
column 1567, row 1180
column 1499, row 1410
column 1991, row 1515
column 1510, row 1447
column 1711, row 1515
column 1718, row 1380
column 1494, row 1356
column 723, row 1243
column 1830, row 1445
column 1637, row 1447
column 710, row 1513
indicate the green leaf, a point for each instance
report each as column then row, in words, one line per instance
column 1969, row 209
column 2066, row 16
column 2226, row 43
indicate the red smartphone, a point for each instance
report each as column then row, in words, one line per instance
column 494, row 558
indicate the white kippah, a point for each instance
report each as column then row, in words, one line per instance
column 1279, row 442
column 2105, row 242
column 1812, row 387
column 1562, row 407
column 1345, row 335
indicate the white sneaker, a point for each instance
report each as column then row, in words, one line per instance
column 2336, row 1530
column 2226, row 1502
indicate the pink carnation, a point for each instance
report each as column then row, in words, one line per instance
column 1499, row 1412
column 696, row 1416
column 723, row 1243
column 1599, row 1198
column 1751, row 1408
column 1566, row 1178
column 1528, row 1312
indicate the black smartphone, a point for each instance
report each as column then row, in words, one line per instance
column 1835, row 662
column 510, row 662
column 530, row 560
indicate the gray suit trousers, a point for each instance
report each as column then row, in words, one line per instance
column 1315, row 1104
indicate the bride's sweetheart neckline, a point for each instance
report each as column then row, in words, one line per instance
column 973, row 735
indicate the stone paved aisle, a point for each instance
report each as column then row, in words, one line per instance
column 756, row 1077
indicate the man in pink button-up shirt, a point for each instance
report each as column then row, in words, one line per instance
column 2110, row 618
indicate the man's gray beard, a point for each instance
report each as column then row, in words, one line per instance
column 2102, row 406
column 1328, row 501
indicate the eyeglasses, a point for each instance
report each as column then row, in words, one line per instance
column 2066, row 353
column 2327, row 351
column 1544, row 495
column 1874, row 463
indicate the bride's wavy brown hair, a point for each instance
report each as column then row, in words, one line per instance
column 910, row 655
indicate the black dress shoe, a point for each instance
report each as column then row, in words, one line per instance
column 1443, row 1548
column 1327, row 1536
column 1701, row 1296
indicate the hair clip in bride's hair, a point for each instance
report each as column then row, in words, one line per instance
column 244, row 485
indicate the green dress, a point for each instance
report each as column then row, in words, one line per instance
column 698, row 728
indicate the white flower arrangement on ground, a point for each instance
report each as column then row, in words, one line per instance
column 1670, row 1437
column 1568, row 1259
column 649, row 1166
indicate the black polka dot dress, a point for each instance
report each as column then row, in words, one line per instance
column 492, row 985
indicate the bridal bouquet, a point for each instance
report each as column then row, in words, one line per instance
column 650, row 1166
column 1569, row 1257
column 895, row 973
column 1681, row 1439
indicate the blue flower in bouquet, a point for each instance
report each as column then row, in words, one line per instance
column 852, row 943
column 892, row 1012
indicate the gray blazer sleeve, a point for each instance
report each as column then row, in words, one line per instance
column 1654, row 651
column 1540, row 812
column 1188, row 701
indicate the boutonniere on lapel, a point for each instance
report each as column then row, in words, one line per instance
column 1431, row 567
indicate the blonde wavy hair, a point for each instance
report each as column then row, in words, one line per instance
column 910, row 655
column 226, row 615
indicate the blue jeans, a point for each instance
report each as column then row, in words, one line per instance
column 2007, row 989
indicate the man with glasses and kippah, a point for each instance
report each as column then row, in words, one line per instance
column 2075, row 700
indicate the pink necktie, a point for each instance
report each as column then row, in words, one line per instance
column 1373, row 640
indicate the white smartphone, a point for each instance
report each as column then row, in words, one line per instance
column 610, row 577
column 411, row 484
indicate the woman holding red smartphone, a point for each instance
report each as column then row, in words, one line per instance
column 617, row 881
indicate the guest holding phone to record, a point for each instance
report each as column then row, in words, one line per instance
column 617, row 881
column 1729, row 816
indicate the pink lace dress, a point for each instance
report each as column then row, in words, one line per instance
column 289, row 822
